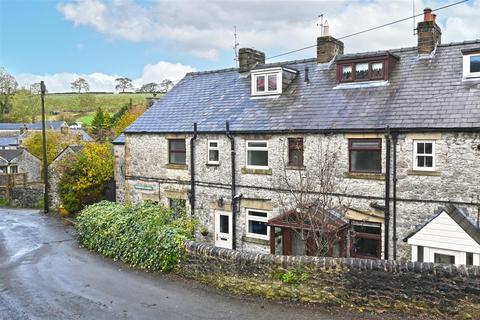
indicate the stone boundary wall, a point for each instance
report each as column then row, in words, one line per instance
column 30, row 196
column 364, row 284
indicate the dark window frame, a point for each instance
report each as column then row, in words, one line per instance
column 350, row 149
column 370, row 71
column 170, row 151
column 363, row 235
column 293, row 144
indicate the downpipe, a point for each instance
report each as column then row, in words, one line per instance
column 192, row 170
column 233, row 188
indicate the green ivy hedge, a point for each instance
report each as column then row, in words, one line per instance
column 144, row 235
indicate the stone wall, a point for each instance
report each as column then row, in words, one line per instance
column 456, row 179
column 119, row 172
column 374, row 285
column 27, row 197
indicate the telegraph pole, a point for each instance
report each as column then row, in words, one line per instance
column 44, row 147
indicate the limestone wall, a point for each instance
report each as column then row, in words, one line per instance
column 406, row 287
column 456, row 179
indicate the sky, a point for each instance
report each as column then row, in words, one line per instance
column 148, row 41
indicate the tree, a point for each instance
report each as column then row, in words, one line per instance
column 166, row 85
column 8, row 86
column 35, row 88
column 128, row 118
column 56, row 142
column 25, row 106
column 310, row 203
column 80, row 84
column 150, row 87
column 98, row 120
column 123, row 84
column 83, row 180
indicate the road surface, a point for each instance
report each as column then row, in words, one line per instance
column 45, row 275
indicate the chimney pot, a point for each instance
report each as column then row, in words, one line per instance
column 326, row 29
column 248, row 58
column 434, row 17
column 429, row 33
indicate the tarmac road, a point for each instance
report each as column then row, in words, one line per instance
column 45, row 275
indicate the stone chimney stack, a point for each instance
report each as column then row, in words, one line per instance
column 64, row 129
column 328, row 47
column 429, row 33
column 248, row 58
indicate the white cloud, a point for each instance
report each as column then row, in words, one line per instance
column 204, row 28
column 60, row 82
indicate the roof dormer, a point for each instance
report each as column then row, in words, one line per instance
column 375, row 66
column 471, row 63
column 271, row 81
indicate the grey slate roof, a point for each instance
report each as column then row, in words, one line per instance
column 421, row 94
column 459, row 215
column 120, row 139
column 8, row 141
column 55, row 125
column 9, row 155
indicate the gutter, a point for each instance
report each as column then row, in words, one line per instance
column 233, row 187
column 192, row 170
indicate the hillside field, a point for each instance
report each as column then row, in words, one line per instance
column 107, row 101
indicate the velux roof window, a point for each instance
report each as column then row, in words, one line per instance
column 351, row 68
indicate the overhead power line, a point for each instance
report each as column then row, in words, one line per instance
column 370, row 29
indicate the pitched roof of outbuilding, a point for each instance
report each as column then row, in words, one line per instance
column 10, row 154
column 459, row 215
column 420, row 94
column 55, row 125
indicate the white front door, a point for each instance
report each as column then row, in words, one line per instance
column 223, row 229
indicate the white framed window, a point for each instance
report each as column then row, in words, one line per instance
column 267, row 82
column 213, row 152
column 257, row 154
column 471, row 65
column 257, row 224
column 424, row 155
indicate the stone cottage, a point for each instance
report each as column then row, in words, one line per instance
column 20, row 161
column 402, row 127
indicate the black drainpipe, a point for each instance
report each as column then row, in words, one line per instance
column 234, row 192
column 394, row 191
column 192, row 170
column 387, row 192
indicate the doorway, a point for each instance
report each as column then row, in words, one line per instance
column 223, row 229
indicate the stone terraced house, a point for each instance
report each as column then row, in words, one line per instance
column 403, row 124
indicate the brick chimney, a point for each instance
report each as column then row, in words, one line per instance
column 248, row 58
column 429, row 33
column 327, row 48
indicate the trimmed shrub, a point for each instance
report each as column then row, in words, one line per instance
column 143, row 235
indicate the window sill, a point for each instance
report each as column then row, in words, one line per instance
column 366, row 176
column 213, row 164
column 177, row 166
column 256, row 171
column 256, row 240
column 288, row 167
column 423, row 173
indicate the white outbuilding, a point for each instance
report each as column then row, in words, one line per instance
column 448, row 237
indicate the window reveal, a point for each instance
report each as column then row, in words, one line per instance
column 257, row 154
column 366, row 242
column 295, row 152
column 365, row 155
column 424, row 155
column 257, row 224
column 177, row 153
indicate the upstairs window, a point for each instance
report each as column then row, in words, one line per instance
column 213, row 152
column 295, row 152
column 177, row 153
column 424, row 155
column 257, row 154
column 365, row 155
column 471, row 65
column 361, row 71
column 267, row 82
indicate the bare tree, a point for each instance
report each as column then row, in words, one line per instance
column 310, row 199
column 123, row 84
column 151, row 87
column 8, row 86
column 35, row 88
column 166, row 85
column 80, row 84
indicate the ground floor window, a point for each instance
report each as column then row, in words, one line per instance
column 257, row 224
column 366, row 240
column 444, row 258
column 469, row 257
